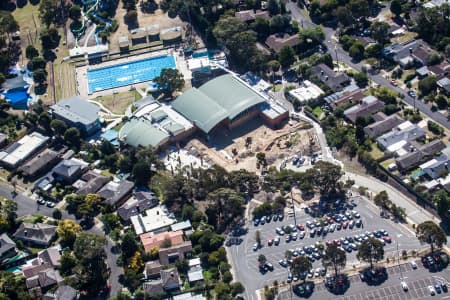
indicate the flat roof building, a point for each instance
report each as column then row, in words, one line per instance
column 307, row 91
column 21, row 150
column 79, row 113
column 155, row 220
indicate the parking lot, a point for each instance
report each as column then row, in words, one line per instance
column 418, row 281
column 245, row 259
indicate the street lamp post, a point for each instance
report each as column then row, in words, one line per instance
column 293, row 208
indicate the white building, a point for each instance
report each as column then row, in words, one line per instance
column 22, row 149
column 156, row 219
column 306, row 92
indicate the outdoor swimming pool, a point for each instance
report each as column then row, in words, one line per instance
column 128, row 73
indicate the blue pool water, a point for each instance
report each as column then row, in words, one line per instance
column 17, row 98
column 128, row 73
column 209, row 53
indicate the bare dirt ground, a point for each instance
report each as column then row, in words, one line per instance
column 157, row 18
column 277, row 145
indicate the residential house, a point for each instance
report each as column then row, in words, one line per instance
column 439, row 166
column 90, row 182
column 184, row 226
column 367, row 106
column 444, row 85
column 307, row 91
column 39, row 233
column 20, row 151
column 51, row 256
column 170, row 279
column 115, row 193
column 345, row 97
column 157, row 219
column 335, row 81
column 423, row 72
column 276, row 42
column 250, row 15
column 44, row 279
column 440, row 70
column 154, row 287
column 63, row 292
column 398, row 140
column 410, row 52
column 381, row 127
column 138, row 203
column 419, row 154
column 152, row 269
column 7, row 247
column 435, row 3
column 69, row 170
column 150, row 240
column 79, row 113
column 195, row 272
column 174, row 253
column 41, row 163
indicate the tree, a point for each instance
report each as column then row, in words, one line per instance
column 128, row 245
column 169, row 81
column 262, row 28
column 361, row 79
column 430, row 233
column 8, row 215
column 31, row 52
column 343, row 15
column 40, row 76
column 49, row 38
column 225, row 205
column 273, row 7
column 136, row 263
column 442, row 202
column 2, row 80
column 326, row 177
column 48, row 11
column 427, row 85
column 75, row 12
column 68, row 262
column 382, row 200
column 110, row 222
column 72, row 137
column 91, row 270
column 221, row 290
column 359, row 9
column 300, row 265
column 334, row 258
column 262, row 259
column 57, row 214
column 236, row 288
column 286, row 56
column 130, row 18
column 380, row 31
column 13, row 287
column 356, row 51
column 67, row 231
column 227, row 27
column 371, row 250
column 58, row 126
column 149, row 6
column 141, row 173
column 279, row 23
column 435, row 128
column 396, row 7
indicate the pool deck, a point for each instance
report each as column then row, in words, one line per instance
column 82, row 82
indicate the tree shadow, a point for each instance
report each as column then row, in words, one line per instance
column 49, row 55
column 40, row 89
column 21, row 3
column 375, row 276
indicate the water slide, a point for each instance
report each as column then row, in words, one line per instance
column 93, row 9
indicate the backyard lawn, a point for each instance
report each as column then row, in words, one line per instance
column 376, row 153
column 318, row 112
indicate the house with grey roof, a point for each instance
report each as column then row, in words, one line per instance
column 444, row 85
column 40, row 164
column 138, row 203
column 195, row 272
column 79, row 113
column 44, row 279
column 7, row 247
column 63, row 292
column 335, row 81
column 152, row 269
column 437, row 167
column 419, row 154
column 400, row 137
column 21, row 150
column 51, row 255
column 153, row 287
column 367, row 106
column 381, row 127
column 90, row 182
column 115, row 193
column 39, row 233
column 170, row 279
column 69, row 170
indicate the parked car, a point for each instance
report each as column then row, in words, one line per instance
column 51, row 204
column 437, row 287
column 41, row 201
column 414, row 265
column 270, row 242
column 276, row 241
column 431, row 289
column 404, row 286
column 255, row 246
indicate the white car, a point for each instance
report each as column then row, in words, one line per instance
column 404, row 286
column 432, row 291
column 414, row 265
column 255, row 246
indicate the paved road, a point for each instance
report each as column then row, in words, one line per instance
column 27, row 206
column 342, row 56
column 244, row 256
column 418, row 281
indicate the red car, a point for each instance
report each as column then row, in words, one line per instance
column 345, row 224
column 300, row 227
column 270, row 242
column 337, row 242
column 387, row 239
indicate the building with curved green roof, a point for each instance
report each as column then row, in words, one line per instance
column 225, row 98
